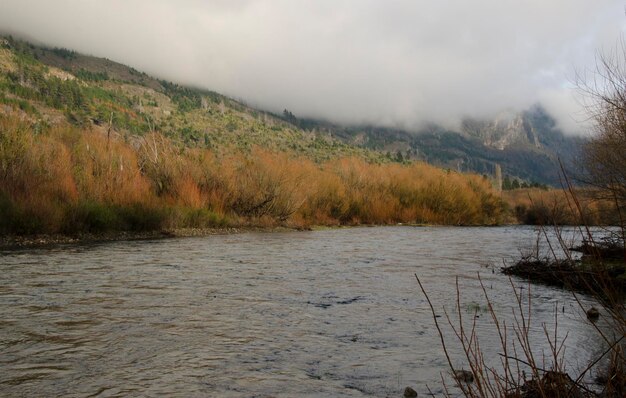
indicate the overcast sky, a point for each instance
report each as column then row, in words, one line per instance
column 379, row 61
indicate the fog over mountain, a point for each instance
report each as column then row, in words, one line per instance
column 400, row 62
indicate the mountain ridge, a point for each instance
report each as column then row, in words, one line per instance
column 527, row 145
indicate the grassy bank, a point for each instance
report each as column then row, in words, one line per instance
column 64, row 180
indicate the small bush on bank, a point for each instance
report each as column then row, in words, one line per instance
column 89, row 216
column 202, row 218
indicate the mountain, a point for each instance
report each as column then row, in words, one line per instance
column 50, row 85
column 54, row 84
column 526, row 145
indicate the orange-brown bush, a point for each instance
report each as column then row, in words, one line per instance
column 35, row 179
column 416, row 193
column 107, row 171
column 66, row 180
column 266, row 184
column 541, row 207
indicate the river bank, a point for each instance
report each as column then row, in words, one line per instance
column 600, row 270
column 9, row 242
column 14, row 241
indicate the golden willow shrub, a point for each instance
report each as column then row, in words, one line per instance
column 107, row 171
column 265, row 184
column 68, row 180
column 36, row 183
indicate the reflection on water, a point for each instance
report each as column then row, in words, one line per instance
column 324, row 313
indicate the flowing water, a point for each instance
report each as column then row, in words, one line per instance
column 327, row 313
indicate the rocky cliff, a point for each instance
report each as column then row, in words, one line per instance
column 504, row 131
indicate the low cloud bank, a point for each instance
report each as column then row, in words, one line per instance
column 400, row 63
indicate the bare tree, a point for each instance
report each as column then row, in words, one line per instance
column 604, row 156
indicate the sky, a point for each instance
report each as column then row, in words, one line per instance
column 389, row 62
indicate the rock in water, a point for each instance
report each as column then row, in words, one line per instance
column 593, row 314
column 464, row 376
column 410, row 393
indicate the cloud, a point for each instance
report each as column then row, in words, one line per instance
column 399, row 62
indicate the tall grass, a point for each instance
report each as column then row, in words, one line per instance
column 69, row 180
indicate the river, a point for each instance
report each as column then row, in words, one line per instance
column 327, row 313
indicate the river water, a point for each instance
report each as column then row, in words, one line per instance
column 326, row 313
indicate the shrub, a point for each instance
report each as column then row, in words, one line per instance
column 67, row 179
